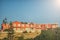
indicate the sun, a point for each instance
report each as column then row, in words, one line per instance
column 57, row 3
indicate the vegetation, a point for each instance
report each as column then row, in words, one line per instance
column 25, row 32
column 49, row 35
column 20, row 38
column 5, row 39
column 5, row 20
column 24, row 22
column 29, row 39
column 10, row 32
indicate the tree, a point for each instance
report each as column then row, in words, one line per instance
column 24, row 22
column 5, row 20
column 20, row 38
column 45, row 35
column 57, row 33
column 5, row 39
column 10, row 32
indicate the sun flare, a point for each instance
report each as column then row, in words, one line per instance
column 57, row 3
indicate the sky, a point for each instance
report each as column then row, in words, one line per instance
column 36, row 11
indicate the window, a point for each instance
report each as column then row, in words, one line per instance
column 14, row 25
column 27, row 25
column 31, row 25
column 22, row 25
column 18, row 25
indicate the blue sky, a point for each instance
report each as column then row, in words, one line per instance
column 37, row 11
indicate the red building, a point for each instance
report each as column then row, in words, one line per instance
column 5, row 26
column 18, row 26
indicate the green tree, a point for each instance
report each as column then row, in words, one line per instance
column 5, row 21
column 10, row 32
column 5, row 39
column 45, row 35
column 20, row 38
column 57, row 33
column 29, row 39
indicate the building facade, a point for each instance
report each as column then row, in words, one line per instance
column 29, row 27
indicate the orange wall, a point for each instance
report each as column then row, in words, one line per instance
column 17, row 25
